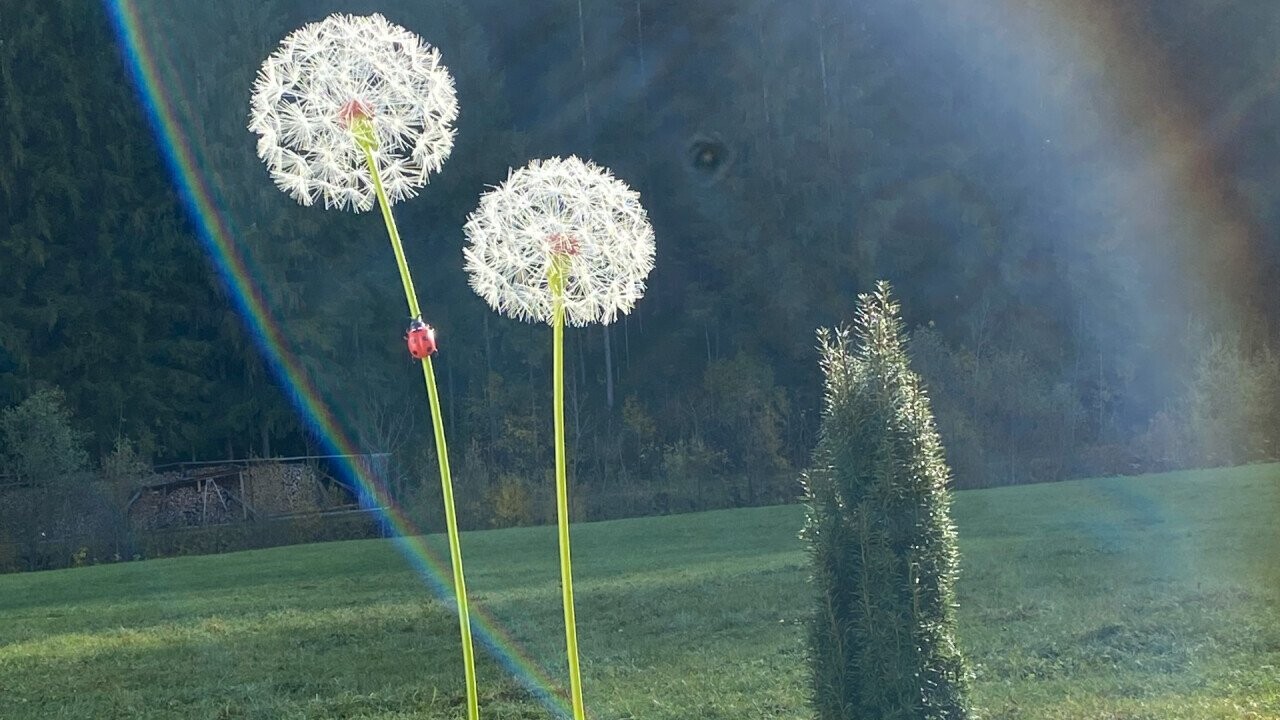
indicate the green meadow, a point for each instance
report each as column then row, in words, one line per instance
column 1148, row 598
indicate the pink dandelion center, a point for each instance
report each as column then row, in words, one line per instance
column 564, row 244
column 353, row 110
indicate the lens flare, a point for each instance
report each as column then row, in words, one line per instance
column 218, row 235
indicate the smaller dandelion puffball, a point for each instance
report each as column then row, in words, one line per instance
column 567, row 211
column 328, row 75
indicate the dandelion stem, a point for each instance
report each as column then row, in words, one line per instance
column 437, row 424
column 555, row 279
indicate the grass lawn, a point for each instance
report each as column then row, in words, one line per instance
column 1137, row 598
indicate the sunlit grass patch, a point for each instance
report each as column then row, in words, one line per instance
column 1136, row 598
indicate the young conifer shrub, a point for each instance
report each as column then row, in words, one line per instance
column 882, row 642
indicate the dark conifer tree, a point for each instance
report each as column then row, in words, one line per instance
column 884, row 550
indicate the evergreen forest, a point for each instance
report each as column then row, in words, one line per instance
column 1073, row 202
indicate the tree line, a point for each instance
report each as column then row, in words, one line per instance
column 814, row 155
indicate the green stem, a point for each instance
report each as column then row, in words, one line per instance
column 363, row 136
column 556, row 281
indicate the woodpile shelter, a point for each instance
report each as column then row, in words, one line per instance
column 194, row 494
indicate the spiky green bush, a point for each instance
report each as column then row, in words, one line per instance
column 883, row 546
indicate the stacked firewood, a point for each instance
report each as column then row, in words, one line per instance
column 210, row 500
column 280, row 489
column 160, row 509
column 214, row 497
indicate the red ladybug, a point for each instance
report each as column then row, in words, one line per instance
column 421, row 338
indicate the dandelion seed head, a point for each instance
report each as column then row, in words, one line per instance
column 326, row 75
column 571, row 213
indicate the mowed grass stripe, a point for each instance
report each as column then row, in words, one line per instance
column 1147, row 597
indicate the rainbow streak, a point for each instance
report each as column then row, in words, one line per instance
column 1219, row 255
column 1106, row 74
column 217, row 234
column 1212, row 248
column 1154, row 206
column 1093, row 73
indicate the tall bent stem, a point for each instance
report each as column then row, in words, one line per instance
column 556, row 281
column 437, row 424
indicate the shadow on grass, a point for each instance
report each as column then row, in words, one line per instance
column 397, row 655
column 292, row 664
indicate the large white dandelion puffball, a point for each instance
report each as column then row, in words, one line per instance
column 327, row 75
column 567, row 211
